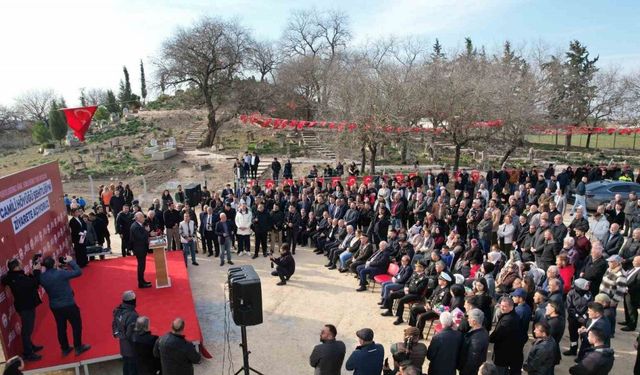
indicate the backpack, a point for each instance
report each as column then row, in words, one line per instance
column 121, row 321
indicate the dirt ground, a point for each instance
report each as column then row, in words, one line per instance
column 294, row 315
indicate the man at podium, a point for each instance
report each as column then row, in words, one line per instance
column 140, row 243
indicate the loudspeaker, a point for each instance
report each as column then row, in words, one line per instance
column 193, row 194
column 245, row 296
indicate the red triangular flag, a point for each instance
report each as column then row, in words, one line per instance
column 79, row 119
column 269, row 183
column 367, row 179
column 334, row 181
column 351, row 181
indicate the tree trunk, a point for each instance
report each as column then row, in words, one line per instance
column 212, row 127
column 567, row 142
column 511, row 149
column 587, row 144
column 403, row 151
column 456, row 160
column 363, row 151
column 373, row 150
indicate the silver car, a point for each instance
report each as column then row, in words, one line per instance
column 599, row 192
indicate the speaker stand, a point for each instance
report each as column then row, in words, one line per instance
column 245, row 355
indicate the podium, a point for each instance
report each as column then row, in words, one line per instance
column 158, row 245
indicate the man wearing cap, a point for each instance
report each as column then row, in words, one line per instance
column 519, row 297
column 368, row 356
column 410, row 351
column 439, row 298
column 544, row 354
column 577, row 300
column 632, row 297
column 327, row 357
column 124, row 320
column 413, row 291
column 614, row 282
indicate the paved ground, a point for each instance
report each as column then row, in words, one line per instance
column 294, row 315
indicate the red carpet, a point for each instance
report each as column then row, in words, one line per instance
column 99, row 290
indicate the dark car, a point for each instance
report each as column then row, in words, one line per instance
column 599, row 192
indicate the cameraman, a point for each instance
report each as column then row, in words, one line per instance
column 56, row 283
column 25, row 299
column 409, row 351
column 285, row 264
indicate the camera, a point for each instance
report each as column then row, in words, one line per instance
column 62, row 261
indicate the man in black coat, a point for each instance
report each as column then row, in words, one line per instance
column 598, row 360
column 632, row 298
column 285, row 265
column 444, row 348
column 507, row 339
column 613, row 241
column 176, row 354
column 124, row 320
column 292, row 224
column 594, row 269
column 275, row 169
column 473, row 352
column 78, row 236
column 143, row 343
column 140, row 244
column 377, row 264
column 596, row 321
column 24, row 289
column 413, row 290
column 544, row 354
column 123, row 224
column 262, row 224
column 327, row 358
column 208, row 223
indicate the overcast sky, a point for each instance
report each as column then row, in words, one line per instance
column 67, row 44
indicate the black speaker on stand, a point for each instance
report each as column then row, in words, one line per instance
column 245, row 300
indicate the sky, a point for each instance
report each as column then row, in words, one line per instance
column 65, row 45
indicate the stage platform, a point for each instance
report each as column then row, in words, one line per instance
column 98, row 291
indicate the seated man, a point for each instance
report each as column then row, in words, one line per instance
column 329, row 237
column 285, row 265
column 353, row 246
column 322, row 231
column 413, row 290
column 397, row 282
column 338, row 238
column 440, row 297
column 361, row 256
column 375, row 265
column 334, row 252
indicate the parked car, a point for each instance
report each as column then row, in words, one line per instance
column 599, row 192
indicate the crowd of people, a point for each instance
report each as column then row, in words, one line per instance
column 476, row 259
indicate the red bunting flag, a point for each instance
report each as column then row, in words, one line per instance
column 412, row 175
column 475, row 176
column 288, row 181
column 334, row 181
column 320, row 180
column 367, row 179
column 269, row 183
column 252, row 182
column 351, row 181
column 79, row 119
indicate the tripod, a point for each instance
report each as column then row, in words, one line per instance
column 245, row 354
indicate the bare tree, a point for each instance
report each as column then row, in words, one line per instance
column 209, row 56
column 35, row 104
column 95, row 96
column 9, row 118
column 263, row 59
column 609, row 99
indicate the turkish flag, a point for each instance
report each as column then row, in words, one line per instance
column 412, row 175
column 320, row 180
column 269, row 183
column 334, row 181
column 367, row 179
column 288, row 181
column 475, row 176
column 79, row 119
column 252, row 183
column 399, row 177
column 351, row 181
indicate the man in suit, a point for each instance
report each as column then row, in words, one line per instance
column 292, row 223
column 613, row 241
column 140, row 244
column 596, row 320
column 255, row 160
column 78, row 235
column 327, row 358
column 376, row 265
column 123, row 224
column 208, row 223
column 632, row 298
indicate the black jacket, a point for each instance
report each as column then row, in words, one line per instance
column 24, row 289
column 128, row 315
column 123, row 223
column 287, row 263
column 543, row 356
column 139, row 239
column 171, row 218
column 143, row 344
column 443, row 352
column 473, row 352
column 597, row 361
column 612, row 244
column 76, row 228
column 507, row 339
column 593, row 272
column 263, row 223
column 327, row 357
column 176, row 354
